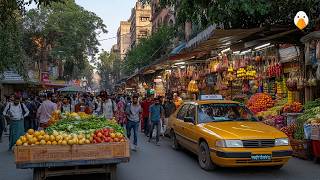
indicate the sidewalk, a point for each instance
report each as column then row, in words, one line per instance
column 8, row 169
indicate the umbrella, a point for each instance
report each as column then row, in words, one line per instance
column 71, row 89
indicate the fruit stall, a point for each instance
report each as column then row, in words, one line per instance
column 73, row 144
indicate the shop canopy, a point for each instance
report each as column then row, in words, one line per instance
column 71, row 89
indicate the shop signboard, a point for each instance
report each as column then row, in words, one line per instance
column 211, row 80
column 45, row 77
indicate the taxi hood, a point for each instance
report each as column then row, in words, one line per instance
column 242, row 130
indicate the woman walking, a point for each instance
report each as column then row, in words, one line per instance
column 120, row 114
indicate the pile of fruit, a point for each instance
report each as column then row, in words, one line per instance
column 271, row 112
column 260, row 102
column 107, row 135
column 294, row 107
column 73, row 130
column 289, row 130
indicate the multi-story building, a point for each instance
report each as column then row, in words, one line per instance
column 124, row 38
column 141, row 25
column 161, row 16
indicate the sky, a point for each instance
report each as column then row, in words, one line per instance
column 111, row 12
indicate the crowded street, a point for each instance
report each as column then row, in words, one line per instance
column 159, row 89
column 153, row 162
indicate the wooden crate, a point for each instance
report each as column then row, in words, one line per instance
column 100, row 151
column 51, row 153
column 41, row 153
column 299, row 148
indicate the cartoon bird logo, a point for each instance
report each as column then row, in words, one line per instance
column 301, row 20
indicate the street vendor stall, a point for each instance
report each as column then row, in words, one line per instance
column 73, row 144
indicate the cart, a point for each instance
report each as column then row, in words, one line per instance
column 49, row 161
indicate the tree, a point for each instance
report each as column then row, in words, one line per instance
column 108, row 68
column 65, row 32
column 241, row 13
column 9, row 8
column 11, row 36
column 11, row 52
column 148, row 50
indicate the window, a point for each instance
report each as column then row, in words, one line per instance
column 182, row 112
column 224, row 112
column 144, row 19
column 191, row 112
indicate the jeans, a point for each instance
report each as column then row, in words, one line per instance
column 157, row 126
column 146, row 126
column 133, row 125
column 2, row 125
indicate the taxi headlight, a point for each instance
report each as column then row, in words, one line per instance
column 282, row 142
column 229, row 143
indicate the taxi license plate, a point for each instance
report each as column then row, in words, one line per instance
column 261, row 157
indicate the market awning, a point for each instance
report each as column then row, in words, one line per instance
column 202, row 36
column 241, row 38
column 178, row 49
column 71, row 89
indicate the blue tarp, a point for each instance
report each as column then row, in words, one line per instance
column 178, row 49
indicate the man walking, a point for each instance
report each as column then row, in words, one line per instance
column 16, row 112
column 145, row 115
column 109, row 107
column 45, row 110
column 156, row 113
column 133, row 111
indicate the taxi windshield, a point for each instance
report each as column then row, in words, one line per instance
column 224, row 112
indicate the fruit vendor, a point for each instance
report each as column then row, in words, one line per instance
column 45, row 110
column 16, row 111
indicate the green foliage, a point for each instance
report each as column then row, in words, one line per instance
column 241, row 13
column 9, row 8
column 11, row 52
column 68, row 32
column 109, row 68
column 148, row 49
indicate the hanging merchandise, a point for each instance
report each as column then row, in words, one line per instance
column 312, row 81
column 301, row 83
column 318, row 72
column 290, row 97
column 141, row 89
column 292, row 82
column 192, row 87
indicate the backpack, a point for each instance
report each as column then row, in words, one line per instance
column 21, row 106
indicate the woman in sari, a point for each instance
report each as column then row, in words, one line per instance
column 120, row 114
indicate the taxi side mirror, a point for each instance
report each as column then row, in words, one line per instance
column 188, row 119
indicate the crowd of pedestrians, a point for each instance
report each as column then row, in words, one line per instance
column 148, row 114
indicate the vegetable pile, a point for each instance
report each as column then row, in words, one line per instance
column 71, row 129
column 294, row 107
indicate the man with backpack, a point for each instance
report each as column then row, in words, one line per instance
column 16, row 112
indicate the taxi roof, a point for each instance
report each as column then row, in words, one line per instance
column 213, row 102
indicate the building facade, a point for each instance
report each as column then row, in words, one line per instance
column 124, row 38
column 161, row 16
column 141, row 25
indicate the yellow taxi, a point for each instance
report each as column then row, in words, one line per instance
column 226, row 134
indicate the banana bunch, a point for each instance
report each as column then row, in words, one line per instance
column 241, row 73
column 193, row 87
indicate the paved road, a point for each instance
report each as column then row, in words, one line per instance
column 162, row 163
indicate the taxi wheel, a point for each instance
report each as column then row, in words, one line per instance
column 174, row 142
column 204, row 157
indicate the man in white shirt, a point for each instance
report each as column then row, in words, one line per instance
column 16, row 111
column 109, row 107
